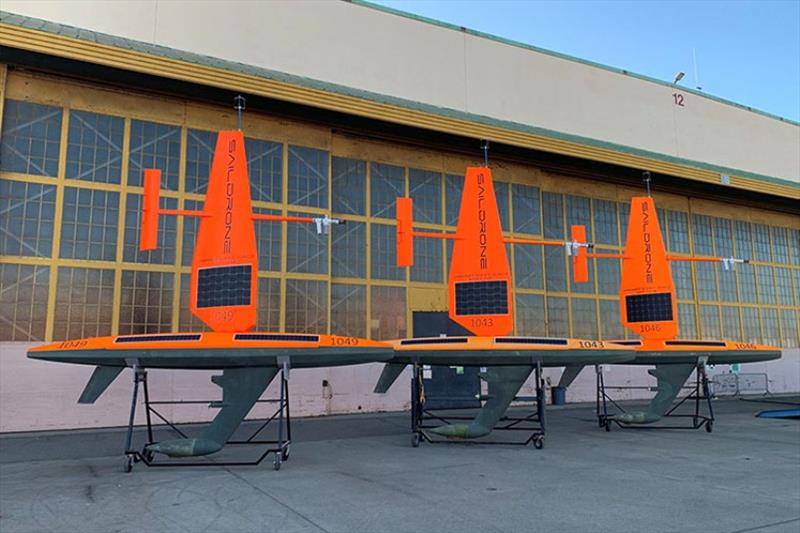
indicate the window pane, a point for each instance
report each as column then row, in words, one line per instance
column 23, row 301
column 158, row 146
column 584, row 318
column 145, row 302
column 89, row 224
column 783, row 282
column 766, row 284
column 31, row 138
column 605, row 222
column 190, row 226
column 306, row 306
column 723, row 237
column 387, row 182
column 199, row 155
column 383, row 252
column 557, row 317
column 269, row 304
column 610, row 320
column 608, row 276
column 349, row 310
column 425, row 188
column 706, row 274
column 268, row 240
column 701, row 235
column 427, row 261
column 265, row 168
column 746, row 274
column 306, row 251
column 186, row 319
column 761, row 242
column 743, row 238
column 682, row 274
column 624, row 212
column 530, row 315
column 388, row 316
column 678, row 232
column 709, row 322
column 94, row 147
column 770, row 326
column 578, row 212
column 453, row 187
column 780, row 243
column 554, row 257
column 348, row 250
column 27, row 211
column 501, row 192
column 731, row 327
column 789, row 325
column 308, row 176
column 528, row 266
column 750, row 323
column 167, row 232
column 84, row 303
column 349, row 186
column 687, row 324
column 525, row 203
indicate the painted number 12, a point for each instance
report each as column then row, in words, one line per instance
column 678, row 97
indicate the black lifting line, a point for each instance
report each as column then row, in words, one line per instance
column 647, row 179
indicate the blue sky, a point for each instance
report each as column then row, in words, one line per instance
column 747, row 52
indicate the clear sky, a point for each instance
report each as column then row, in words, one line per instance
column 747, row 51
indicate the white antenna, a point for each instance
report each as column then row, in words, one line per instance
column 696, row 78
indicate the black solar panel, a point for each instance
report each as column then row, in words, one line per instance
column 530, row 340
column 159, row 338
column 223, row 286
column 286, row 337
column 442, row 340
column 649, row 307
column 482, row 298
column 695, row 343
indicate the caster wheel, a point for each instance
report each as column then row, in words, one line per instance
column 415, row 440
column 709, row 426
column 127, row 466
column 148, row 456
column 285, row 453
column 608, row 425
column 538, row 443
column 277, row 464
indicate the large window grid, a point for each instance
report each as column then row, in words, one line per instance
column 100, row 152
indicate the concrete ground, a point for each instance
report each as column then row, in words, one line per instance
column 359, row 473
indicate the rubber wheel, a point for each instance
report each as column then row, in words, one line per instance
column 277, row 464
column 285, row 453
column 538, row 442
column 127, row 466
column 415, row 440
column 709, row 426
column 608, row 425
column 148, row 456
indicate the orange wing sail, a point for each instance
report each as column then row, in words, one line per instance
column 225, row 262
column 480, row 278
column 647, row 293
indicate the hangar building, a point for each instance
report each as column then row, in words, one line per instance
column 348, row 106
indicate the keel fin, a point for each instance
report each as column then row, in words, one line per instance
column 102, row 377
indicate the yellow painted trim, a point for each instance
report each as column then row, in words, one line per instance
column 80, row 50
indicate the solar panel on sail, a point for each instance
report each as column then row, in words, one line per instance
column 224, row 286
column 649, row 307
column 482, row 298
